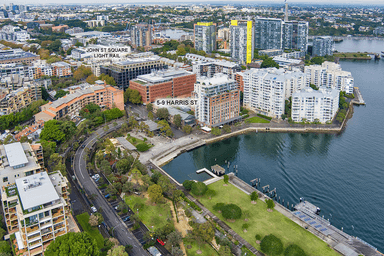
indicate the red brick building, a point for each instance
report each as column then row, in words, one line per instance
column 162, row 84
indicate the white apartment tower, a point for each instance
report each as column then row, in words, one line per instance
column 315, row 105
column 330, row 75
column 265, row 90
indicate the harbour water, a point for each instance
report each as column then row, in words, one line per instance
column 342, row 174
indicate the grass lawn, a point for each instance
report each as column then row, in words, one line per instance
column 135, row 141
column 263, row 222
column 256, row 119
column 151, row 215
column 206, row 249
column 94, row 232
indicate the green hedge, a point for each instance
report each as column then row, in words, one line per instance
column 266, row 117
column 141, row 147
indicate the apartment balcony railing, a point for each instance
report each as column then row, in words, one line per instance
column 57, row 214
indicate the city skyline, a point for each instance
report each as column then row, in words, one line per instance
column 236, row 2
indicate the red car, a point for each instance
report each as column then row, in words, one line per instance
column 160, row 242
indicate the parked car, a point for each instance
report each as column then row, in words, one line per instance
column 107, row 196
column 93, row 208
column 96, row 177
column 83, row 146
column 127, row 218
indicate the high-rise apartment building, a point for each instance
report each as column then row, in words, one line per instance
column 36, row 209
column 242, row 41
column 141, row 35
column 268, row 33
column 160, row 84
column 265, row 90
column 295, row 35
column 322, row 45
column 205, row 36
column 330, row 75
column 315, row 105
column 218, row 100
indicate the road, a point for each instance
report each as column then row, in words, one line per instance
column 120, row 230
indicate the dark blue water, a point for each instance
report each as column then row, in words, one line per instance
column 342, row 174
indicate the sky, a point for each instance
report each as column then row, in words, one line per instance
column 245, row 2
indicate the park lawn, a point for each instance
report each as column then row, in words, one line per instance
column 135, row 141
column 92, row 231
column 151, row 215
column 256, row 119
column 206, row 249
column 263, row 222
column 351, row 55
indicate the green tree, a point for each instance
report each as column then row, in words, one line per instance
column 271, row 245
column 216, row 131
column 199, row 188
column 162, row 113
column 177, row 120
column 175, row 238
column 226, row 179
column 124, row 165
column 205, row 231
column 73, row 244
column 270, row 203
column 150, row 115
column 225, row 251
column 254, row 196
column 187, row 184
column 155, row 193
column 294, row 250
column 5, row 248
column 231, row 212
column 91, row 79
column 269, row 63
column 187, row 129
column 149, row 107
column 117, row 251
column 317, row 60
column 227, row 128
column 51, row 131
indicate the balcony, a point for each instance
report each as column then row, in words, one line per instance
column 60, row 233
column 47, row 237
column 57, row 214
column 35, row 228
column 36, row 251
column 61, row 219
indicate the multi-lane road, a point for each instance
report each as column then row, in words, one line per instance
column 111, row 218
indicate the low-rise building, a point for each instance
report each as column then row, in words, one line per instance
column 60, row 28
column 161, row 84
column 36, row 209
column 70, row 105
column 315, row 105
column 218, row 100
column 30, row 131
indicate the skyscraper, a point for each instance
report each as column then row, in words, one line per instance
column 205, row 36
column 295, row 35
column 141, row 35
column 268, row 33
column 242, row 40
column 322, row 45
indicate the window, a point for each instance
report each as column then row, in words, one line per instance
column 5, row 179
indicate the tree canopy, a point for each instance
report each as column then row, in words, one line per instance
column 132, row 96
column 155, row 193
column 162, row 113
column 199, row 188
column 271, row 245
column 269, row 63
column 73, row 244
column 231, row 211
column 294, row 250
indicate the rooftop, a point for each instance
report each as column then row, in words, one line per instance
column 215, row 80
column 15, row 154
column 36, row 190
column 163, row 76
column 126, row 144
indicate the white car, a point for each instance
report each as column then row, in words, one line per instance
column 93, row 208
column 96, row 177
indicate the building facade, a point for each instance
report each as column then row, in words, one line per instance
column 315, row 105
column 18, row 99
column 125, row 71
column 330, row 75
column 322, row 45
column 36, row 208
column 162, row 84
column 17, row 56
column 218, row 100
column 268, row 33
column 141, row 35
column 71, row 104
column 242, row 41
column 295, row 35
column 205, row 36
column 265, row 90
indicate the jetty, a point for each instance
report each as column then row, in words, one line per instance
column 218, row 170
column 358, row 100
